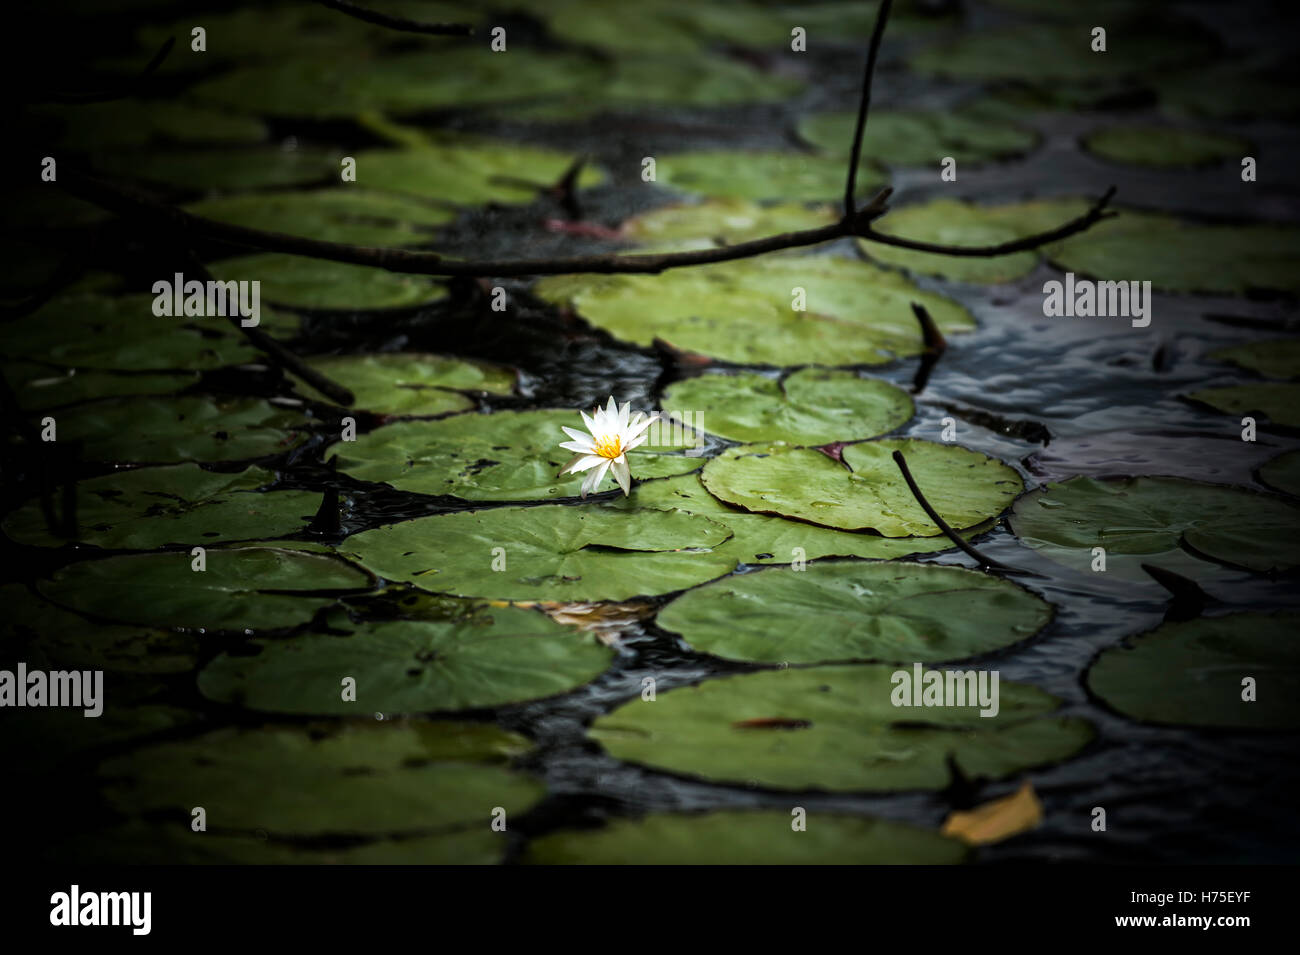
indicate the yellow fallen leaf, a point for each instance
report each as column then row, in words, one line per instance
column 997, row 820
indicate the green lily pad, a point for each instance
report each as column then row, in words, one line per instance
column 835, row 729
column 122, row 334
column 470, row 171
column 919, row 138
column 504, row 456
column 964, row 486
column 336, row 214
column 952, row 222
column 46, row 206
column 1279, row 358
column 812, row 406
column 141, row 843
column 481, row 660
column 554, row 552
column 464, row 76
column 1229, row 91
column 355, row 779
column 48, row 637
column 223, row 169
column 243, row 588
column 147, row 431
column 724, row 222
column 404, row 383
column 49, row 741
column 762, row 175
column 123, row 123
column 1283, row 473
column 1045, row 53
column 1279, row 402
column 742, row 311
column 1148, row 520
column 40, row 387
column 1164, row 145
column 181, row 504
column 317, row 284
column 746, row 837
column 1191, row 673
column 1179, row 256
column 887, row 611
column 764, row 539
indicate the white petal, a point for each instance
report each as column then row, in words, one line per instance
column 591, row 425
column 611, row 413
column 578, row 436
column 582, row 462
column 635, row 442
column 623, row 413
column 577, row 446
column 638, row 428
column 622, row 473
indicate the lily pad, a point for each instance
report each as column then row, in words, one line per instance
column 39, row 387
column 355, row 779
column 1283, row 473
column 1179, row 256
column 122, row 334
column 835, row 728
column 762, row 175
column 1150, row 519
column 887, row 611
column 317, row 284
column 1229, row 91
column 243, row 588
column 459, row 77
column 724, row 222
column 1279, row 358
column 223, row 169
column 141, row 843
column 146, row 431
column 1046, row 53
column 1277, row 401
column 746, row 837
column 919, row 137
column 470, row 171
column 504, row 456
column 122, row 123
column 812, row 406
column 405, row 383
column 964, row 486
column 49, row 637
column 742, row 311
column 764, row 539
column 1191, row 673
column 952, row 222
column 333, row 215
column 1164, row 145
column 481, row 660
column 181, row 504
column 553, row 552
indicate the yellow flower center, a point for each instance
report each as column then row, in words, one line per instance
column 608, row 447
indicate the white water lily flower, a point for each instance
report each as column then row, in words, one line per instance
column 605, row 449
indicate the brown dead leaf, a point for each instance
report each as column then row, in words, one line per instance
column 997, row 820
column 605, row 620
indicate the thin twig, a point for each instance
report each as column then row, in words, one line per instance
column 397, row 23
column 129, row 88
column 278, row 353
column 934, row 345
column 882, row 16
column 943, row 525
column 1085, row 221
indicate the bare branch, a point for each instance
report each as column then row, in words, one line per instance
column 943, row 525
column 397, row 23
column 129, row 88
column 1085, row 221
column 882, row 15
